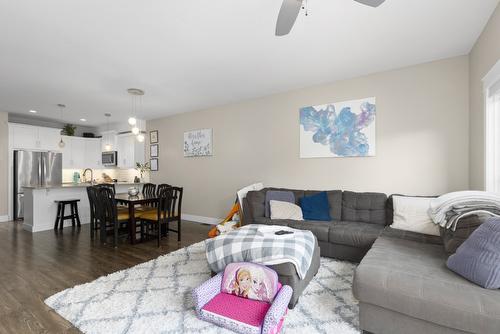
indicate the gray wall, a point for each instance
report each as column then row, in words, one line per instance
column 4, row 163
column 422, row 140
column 484, row 54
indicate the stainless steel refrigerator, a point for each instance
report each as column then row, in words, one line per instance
column 34, row 169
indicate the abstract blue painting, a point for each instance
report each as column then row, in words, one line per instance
column 340, row 129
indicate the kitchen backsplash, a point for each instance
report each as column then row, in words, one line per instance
column 126, row 175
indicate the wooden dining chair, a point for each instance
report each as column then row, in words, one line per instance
column 110, row 186
column 109, row 215
column 176, row 209
column 92, row 193
column 159, row 217
column 149, row 190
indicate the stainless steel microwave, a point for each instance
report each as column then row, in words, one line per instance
column 109, row 158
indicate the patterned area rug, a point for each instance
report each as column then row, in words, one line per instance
column 155, row 297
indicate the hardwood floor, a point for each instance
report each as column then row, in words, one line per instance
column 35, row 266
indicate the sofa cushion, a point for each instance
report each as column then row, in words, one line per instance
column 256, row 203
column 319, row 228
column 315, row 207
column 277, row 195
column 411, row 278
column 269, row 221
column 364, row 207
column 334, row 200
column 411, row 236
column 453, row 239
column 355, row 234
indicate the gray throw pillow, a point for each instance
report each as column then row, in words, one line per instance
column 478, row 258
column 278, row 195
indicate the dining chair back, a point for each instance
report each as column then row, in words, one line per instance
column 162, row 187
column 164, row 210
column 92, row 193
column 149, row 189
column 107, row 212
column 110, row 186
column 176, row 209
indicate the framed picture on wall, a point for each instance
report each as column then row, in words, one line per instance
column 153, row 137
column 153, row 151
column 154, row 164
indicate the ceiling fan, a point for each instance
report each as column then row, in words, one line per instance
column 290, row 10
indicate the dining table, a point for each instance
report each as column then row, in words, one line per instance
column 132, row 202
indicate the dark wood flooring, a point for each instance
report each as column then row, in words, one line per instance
column 35, row 266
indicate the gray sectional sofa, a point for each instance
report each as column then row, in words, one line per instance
column 357, row 220
column 402, row 282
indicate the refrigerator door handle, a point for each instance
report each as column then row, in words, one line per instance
column 40, row 171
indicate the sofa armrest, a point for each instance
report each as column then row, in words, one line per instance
column 247, row 218
column 277, row 310
column 206, row 292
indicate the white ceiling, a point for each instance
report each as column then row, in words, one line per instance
column 193, row 54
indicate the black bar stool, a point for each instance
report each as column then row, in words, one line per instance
column 60, row 217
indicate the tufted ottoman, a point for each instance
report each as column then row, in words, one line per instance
column 288, row 275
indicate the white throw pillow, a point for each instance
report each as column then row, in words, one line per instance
column 285, row 210
column 411, row 214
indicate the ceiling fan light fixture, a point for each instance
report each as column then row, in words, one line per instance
column 135, row 130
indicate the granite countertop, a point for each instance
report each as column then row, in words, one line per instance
column 78, row 185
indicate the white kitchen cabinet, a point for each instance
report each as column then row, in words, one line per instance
column 130, row 151
column 48, row 138
column 92, row 153
column 80, row 153
column 31, row 137
column 108, row 137
column 73, row 152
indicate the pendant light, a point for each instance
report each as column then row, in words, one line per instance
column 61, row 108
column 107, row 146
column 136, row 94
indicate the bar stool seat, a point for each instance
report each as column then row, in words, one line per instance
column 60, row 217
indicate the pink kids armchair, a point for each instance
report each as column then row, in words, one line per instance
column 246, row 298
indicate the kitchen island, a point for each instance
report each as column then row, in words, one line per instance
column 40, row 208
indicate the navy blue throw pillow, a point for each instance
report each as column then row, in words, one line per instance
column 316, row 207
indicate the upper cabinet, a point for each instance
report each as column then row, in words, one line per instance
column 93, row 153
column 109, row 138
column 130, row 151
column 81, row 153
column 30, row 137
column 78, row 152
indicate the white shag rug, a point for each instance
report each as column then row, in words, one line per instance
column 155, row 297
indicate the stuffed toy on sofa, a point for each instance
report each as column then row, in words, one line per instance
column 246, row 298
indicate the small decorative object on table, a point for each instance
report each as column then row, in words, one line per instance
column 133, row 191
column 245, row 298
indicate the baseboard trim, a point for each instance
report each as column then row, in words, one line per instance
column 4, row 218
column 201, row 219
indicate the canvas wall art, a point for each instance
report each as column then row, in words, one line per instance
column 198, row 143
column 340, row 129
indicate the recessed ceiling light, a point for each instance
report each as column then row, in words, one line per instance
column 83, row 119
column 33, row 111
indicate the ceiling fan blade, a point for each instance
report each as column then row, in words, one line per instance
column 371, row 3
column 288, row 14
